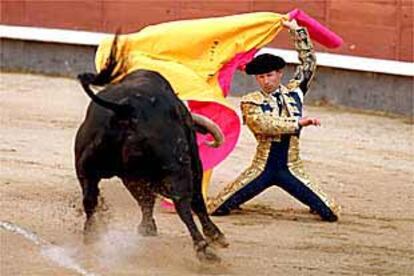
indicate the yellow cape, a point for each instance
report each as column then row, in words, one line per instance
column 190, row 53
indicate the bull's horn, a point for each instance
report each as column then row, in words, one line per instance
column 212, row 127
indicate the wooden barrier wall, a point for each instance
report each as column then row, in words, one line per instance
column 371, row 28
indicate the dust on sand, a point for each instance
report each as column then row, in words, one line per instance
column 363, row 161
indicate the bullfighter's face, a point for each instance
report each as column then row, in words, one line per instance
column 270, row 81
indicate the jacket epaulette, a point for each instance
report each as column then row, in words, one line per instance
column 253, row 98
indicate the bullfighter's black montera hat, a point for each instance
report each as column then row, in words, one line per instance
column 264, row 63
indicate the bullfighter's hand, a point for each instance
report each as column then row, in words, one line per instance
column 307, row 121
column 292, row 24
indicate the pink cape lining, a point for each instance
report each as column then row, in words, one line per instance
column 226, row 72
column 317, row 31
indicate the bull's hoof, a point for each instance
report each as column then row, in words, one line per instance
column 218, row 240
column 148, row 229
column 206, row 254
column 90, row 231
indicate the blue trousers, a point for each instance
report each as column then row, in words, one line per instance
column 285, row 180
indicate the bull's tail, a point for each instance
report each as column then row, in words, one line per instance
column 113, row 69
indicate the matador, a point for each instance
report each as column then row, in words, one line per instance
column 275, row 116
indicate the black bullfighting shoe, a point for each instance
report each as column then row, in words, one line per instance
column 223, row 211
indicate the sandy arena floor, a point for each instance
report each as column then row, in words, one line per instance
column 363, row 161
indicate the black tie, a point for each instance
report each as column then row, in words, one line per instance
column 279, row 102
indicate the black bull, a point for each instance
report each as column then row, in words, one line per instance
column 138, row 129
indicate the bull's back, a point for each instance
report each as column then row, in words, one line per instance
column 148, row 90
